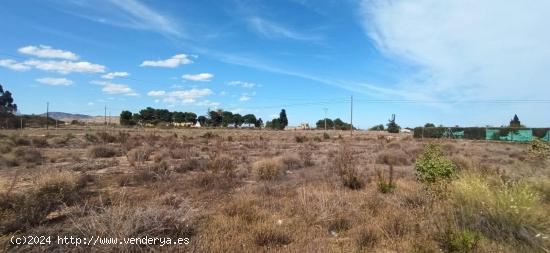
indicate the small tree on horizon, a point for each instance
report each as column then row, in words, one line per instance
column 126, row 118
column 515, row 121
column 7, row 107
column 392, row 126
column 283, row 121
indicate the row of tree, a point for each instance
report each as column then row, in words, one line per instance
column 214, row 118
column 337, row 124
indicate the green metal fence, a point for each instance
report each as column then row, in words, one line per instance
column 479, row 133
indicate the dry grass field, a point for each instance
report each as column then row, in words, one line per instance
column 273, row 191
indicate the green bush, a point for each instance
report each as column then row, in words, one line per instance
column 432, row 165
column 462, row 241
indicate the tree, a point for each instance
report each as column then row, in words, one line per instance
column 283, row 121
column 392, row 126
column 341, row 125
column 321, row 124
column 162, row 115
column 179, row 117
column 126, row 118
column 190, row 117
column 7, row 107
column 202, row 120
column 377, row 128
column 259, row 123
column 227, row 118
column 215, row 118
column 429, row 125
column 237, row 120
column 274, row 124
column 249, row 119
column 515, row 121
column 147, row 115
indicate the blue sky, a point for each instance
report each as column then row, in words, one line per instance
column 446, row 62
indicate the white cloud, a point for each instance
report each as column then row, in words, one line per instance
column 242, row 84
column 112, row 75
column 202, row 77
column 182, row 96
column 115, row 88
column 155, row 93
column 246, row 96
column 273, row 30
column 55, row 81
column 14, row 65
column 174, row 61
column 207, row 103
column 66, row 67
column 465, row 49
column 48, row 52
column 91, row 103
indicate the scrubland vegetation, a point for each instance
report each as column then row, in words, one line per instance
column 262, row 191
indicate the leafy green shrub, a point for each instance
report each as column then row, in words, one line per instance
column 432, row 165
column 461, row 241
column 386, row 187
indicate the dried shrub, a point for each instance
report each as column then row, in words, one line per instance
column 367, row 239
column 191, row 164
column 28, row 155
column 511, row 212
column 102, row 151
column 269, row 168
column 20, row 211
column 538, row 149
column 393, row 157
column 268, row 235
column 300, row 138
column 39, row 142
column 139, row 155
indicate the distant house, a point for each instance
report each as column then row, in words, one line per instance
column 302, row 126
column 405, row 130
column 183, row 124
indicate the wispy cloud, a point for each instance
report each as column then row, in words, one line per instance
column 172, row 62
column 202, row 77
column 246, row 96
column 112, row 75
column 55, row 81
column 128, row 14
column 48, row 52
column 465, row 49
column 14, row 65
column 66, row 67
column 115, row 88
column 272, row 30
column 242, row 84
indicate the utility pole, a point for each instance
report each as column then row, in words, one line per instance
column 351, row 120
column 105, row 118
column 325, row 109
column 47, row 115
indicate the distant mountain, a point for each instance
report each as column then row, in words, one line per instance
column 68, row 117
column 64, row 115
